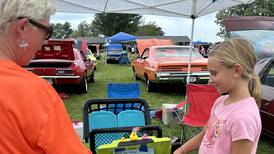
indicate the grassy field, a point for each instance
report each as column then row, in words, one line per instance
column 165, row 94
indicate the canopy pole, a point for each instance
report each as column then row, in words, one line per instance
column 190, row 49
column 190, row 55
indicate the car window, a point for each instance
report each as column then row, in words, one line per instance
column 176, row 52
column 269, row 78
column 145, row 53
column 262, row 41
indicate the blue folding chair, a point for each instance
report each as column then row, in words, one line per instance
column 123, row 90
column 124, row 59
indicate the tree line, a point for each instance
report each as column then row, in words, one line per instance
column 108, row 24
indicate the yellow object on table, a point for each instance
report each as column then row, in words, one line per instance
column 160, row 146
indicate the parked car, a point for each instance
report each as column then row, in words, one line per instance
column 61, row 64
column 265, row 69
column 114, row 52
column 260, row 31
column 169, row 63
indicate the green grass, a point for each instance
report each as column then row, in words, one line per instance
column 165, row 94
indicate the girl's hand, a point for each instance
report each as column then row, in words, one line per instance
column 179, row 151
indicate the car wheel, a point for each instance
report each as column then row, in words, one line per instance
column 83, row 86
column 149, row 85
column 135, row 76
column 91, row 78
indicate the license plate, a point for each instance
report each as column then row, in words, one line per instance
column 192, row 79
column 50, row 81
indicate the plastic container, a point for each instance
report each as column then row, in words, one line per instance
column 78, row 126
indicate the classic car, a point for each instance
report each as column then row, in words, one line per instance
column 114, row 52
column 260, row 31
column 265, row 69
column 61, row 64
column 169, row 63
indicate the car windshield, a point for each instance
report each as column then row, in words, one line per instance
column 262, row 41
column 176, row 52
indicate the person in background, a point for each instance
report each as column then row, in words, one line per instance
column 234, row 126
column 202, row 50
column 33, row 117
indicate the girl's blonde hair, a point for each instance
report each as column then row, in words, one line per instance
column 34, row 9
column 240, row 51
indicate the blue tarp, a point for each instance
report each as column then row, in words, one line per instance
column 121, row 37
column 199, row 42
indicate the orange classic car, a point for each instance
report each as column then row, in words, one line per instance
column 169, row 63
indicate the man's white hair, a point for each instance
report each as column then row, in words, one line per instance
column 34, row 9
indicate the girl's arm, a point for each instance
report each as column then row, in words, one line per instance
column 191, row 144
column 241, row 147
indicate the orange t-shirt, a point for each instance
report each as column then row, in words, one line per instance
column 33, row 118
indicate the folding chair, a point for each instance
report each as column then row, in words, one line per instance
column 124, row 59
column 201, row 98
column 123, row 90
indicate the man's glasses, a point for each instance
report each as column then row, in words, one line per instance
column 48, row 30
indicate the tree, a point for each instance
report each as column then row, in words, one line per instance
column 83, row 30
column 150, row 29
column 111, row 23
column 256, row 8
column 61, row 30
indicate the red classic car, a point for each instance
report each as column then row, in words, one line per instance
column 169, row 63
column 259, row 30
column 265, row 69
column 61, row 64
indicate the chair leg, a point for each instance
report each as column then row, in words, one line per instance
column 183, row 135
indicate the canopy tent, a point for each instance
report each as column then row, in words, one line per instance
column 173, row 8
column 200, row 42
column 121, row 37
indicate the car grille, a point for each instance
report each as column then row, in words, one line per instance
column 183, row 69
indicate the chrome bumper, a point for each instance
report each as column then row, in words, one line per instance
column 60, row 77
column 194, row 76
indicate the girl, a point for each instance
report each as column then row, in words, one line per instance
column 234, row 125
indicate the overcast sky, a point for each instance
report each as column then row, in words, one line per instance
column 204, row 30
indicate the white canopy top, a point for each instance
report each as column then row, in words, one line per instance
column 174, row 8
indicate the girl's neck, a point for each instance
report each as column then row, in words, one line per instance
column 239, row 92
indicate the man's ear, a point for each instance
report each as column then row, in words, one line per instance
column 238, row 70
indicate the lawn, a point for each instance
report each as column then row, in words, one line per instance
column 165, row 94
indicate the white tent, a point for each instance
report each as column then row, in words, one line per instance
column 173, row 8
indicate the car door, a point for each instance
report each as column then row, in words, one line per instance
column 267, row 106
column 139, row 66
